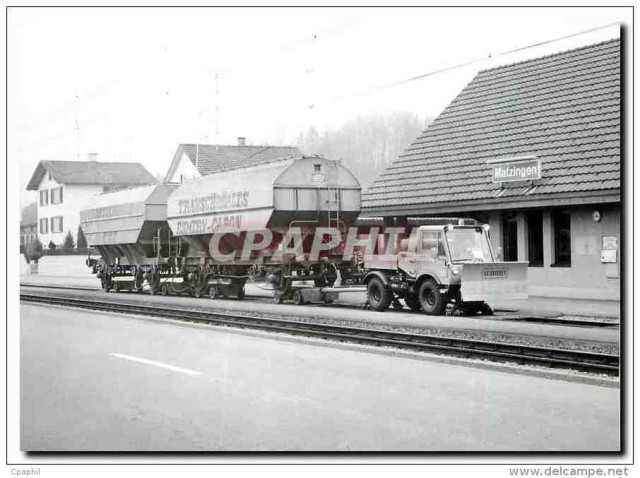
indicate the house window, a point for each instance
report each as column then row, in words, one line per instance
column 56, row 224
column 317, row 168
column 44, row 197
column 534, row 238
column 56, row 195
column 44, row 225
column 562, row 238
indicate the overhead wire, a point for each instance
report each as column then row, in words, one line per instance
column 471, row 62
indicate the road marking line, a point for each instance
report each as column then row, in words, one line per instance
column 156, row 364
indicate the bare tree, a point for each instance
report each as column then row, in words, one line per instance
column 365, row 144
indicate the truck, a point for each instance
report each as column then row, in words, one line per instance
column 443, row 264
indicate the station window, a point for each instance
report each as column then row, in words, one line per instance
column 562, row 238
column 44, row 197
column 56, row 224
column 510, row 236
column 534, row 235
column 44, row 225
column 56, row 195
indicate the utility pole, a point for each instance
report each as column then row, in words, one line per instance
column 77, row 128
column 217, row 110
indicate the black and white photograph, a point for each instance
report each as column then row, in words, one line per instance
column 319, row 235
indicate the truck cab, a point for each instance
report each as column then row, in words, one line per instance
column 441, row 264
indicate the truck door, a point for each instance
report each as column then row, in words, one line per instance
column 432, row 255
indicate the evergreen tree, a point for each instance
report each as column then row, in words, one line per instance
column 52, row 245
column 35, row 250
column 68, row 241
column 82, row 241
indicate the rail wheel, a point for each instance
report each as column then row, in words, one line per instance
column 378, row 296
column 298, row 299
column 431, row 300
column 413, row 302
column 213, row 292
column 116, row 287
column 240, row 295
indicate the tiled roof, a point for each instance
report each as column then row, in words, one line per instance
column 29, row 215
column 92, row 172
column 213, row 158
column 563, row 108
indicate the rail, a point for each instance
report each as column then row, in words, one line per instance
column 478, row 349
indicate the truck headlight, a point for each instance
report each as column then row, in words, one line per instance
column 455, row 270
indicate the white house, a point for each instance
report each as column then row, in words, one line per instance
column 195, row 160
column 63, row 187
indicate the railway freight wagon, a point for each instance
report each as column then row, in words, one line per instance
column 215, row 216
column 129, row 228
column 190, row 238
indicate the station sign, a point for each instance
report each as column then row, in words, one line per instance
column 526, row 168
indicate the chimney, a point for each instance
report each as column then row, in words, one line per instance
column 242, row 141
column 92, row 157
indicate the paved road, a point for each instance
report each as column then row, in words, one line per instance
column 93, row 381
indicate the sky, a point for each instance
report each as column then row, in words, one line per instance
column 132, row 84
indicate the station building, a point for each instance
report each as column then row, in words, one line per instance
column 63, row 187
column 532, row 149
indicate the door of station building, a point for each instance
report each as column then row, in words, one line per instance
column 509, row 236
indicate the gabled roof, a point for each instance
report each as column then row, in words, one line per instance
column 212, row 158
column 92, row 172
column 563, row 108
column 29, row 215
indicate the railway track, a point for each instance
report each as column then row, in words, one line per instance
column 493, row 351
column 560, row 320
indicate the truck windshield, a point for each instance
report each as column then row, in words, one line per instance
column 469, row 244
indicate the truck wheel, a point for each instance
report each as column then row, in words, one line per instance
column 431, row 300
column 298, row 299
column 164, row 290
column 413, row 302
column 485, row 309
column 213, row 292
column 116, row 287
column 378, row 296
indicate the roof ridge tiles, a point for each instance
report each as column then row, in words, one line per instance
column 588, row 49
column 237, row 145
column 566, row 63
